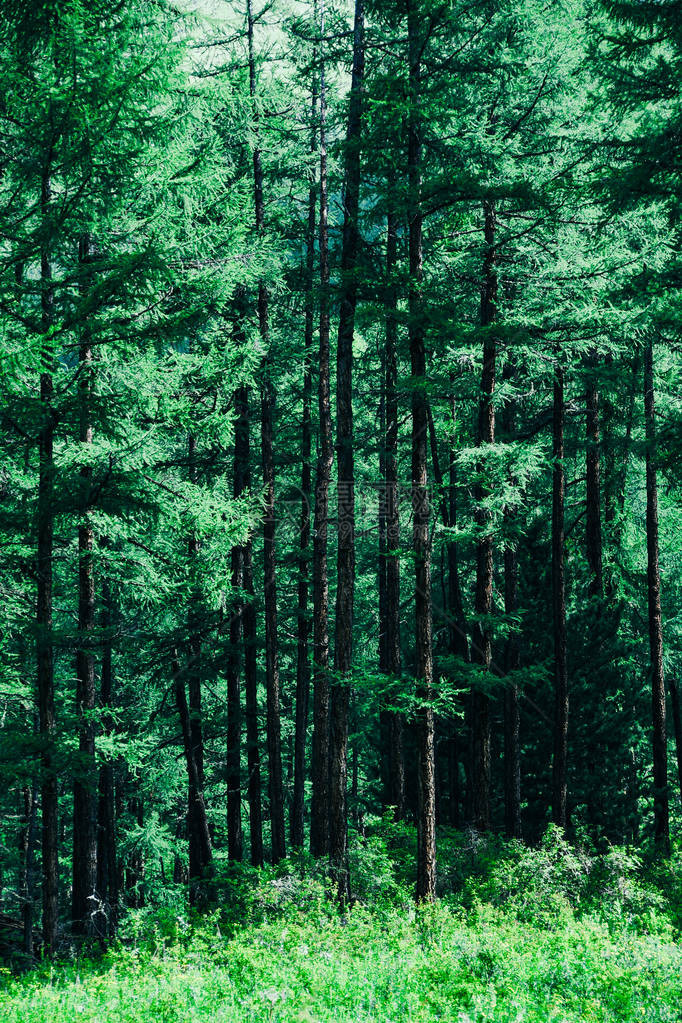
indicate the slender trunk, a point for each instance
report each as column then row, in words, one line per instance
column 84, row 863
column 512, row 657
column 28, row 849
column 482, row 646
column 304, row 623
column 660, row 748
column 275, row 787
column 107, row 870
column 319, row 816
column 198, row 822
column 196, row 614
column 592, row 462
column 345, row 590
column 44, row 644
column 254, row 787
column 677, row 725
column 240, row 483
column 426, row 796
column 559, row 767
column 391, row 515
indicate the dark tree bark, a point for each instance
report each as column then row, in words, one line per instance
column 319, row 814
column 303, row 621
column 390, row 526
column 482, row 647
column 240, row 482
column 199, row 837
column 512, row 659
column 275, row 786
column 27, row 849
column 677, row 725
column 84, row 905
column 254, row 793
column 107, row 868
column 593, row 535
column 660, row 747
column 560, row 762
column 345, row 589
column 426, row 785
column 194, row 674
column 44, row 642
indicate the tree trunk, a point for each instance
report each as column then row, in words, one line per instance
column 592, row 486
column 677, row 725
column 345, row 589
column 391, row 516
column 107, row 870
column 275, row 787
column 559, row 767
column 84, row 897
column 319, row 815
column 199, row 836
column 44, row 643
column 240, row 483
column 426, row 796
column 482, row 647
column 27, row 844
column 512, row 657
column 303, row 622
column 660, row 748
column 251, row 694
column 195, row 619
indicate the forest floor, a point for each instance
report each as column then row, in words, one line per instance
column 514, row 947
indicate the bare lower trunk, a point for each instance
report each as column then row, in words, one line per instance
column 559, row 767
column 107, row 868
column 84, row 862
column 303, row 622
column 660, row 748
column 345, row 590
column 391, row 514
column 275, row 787
column 426, row 794
column 482, row 647
column 197, row 821
column 593, row 503
column 677, row 725
column 512, row 656
column 44, row 642
column 319, row 816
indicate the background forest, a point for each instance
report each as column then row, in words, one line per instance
column 340, row 500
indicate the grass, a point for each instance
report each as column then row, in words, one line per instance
column 510, row 946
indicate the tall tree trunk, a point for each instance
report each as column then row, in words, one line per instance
column 426, row 794
column 107, row 869
column 84, row 897
column 200, row 836
column 44, row 643
column 27, row 850
column 195, row 618
column 559, row 767
column 345, row 589
column 240, row 483
column 275, row 786
column 254, row 793
column 512, row 657
column 391, row 517
column 319, row 814
column 303, row 622
column 482, row 647
column 592, row 487
column 677, row 725
column 660, row 747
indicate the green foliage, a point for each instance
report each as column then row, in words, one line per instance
column 292, row 958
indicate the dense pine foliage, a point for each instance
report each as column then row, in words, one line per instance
column 340, row 502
